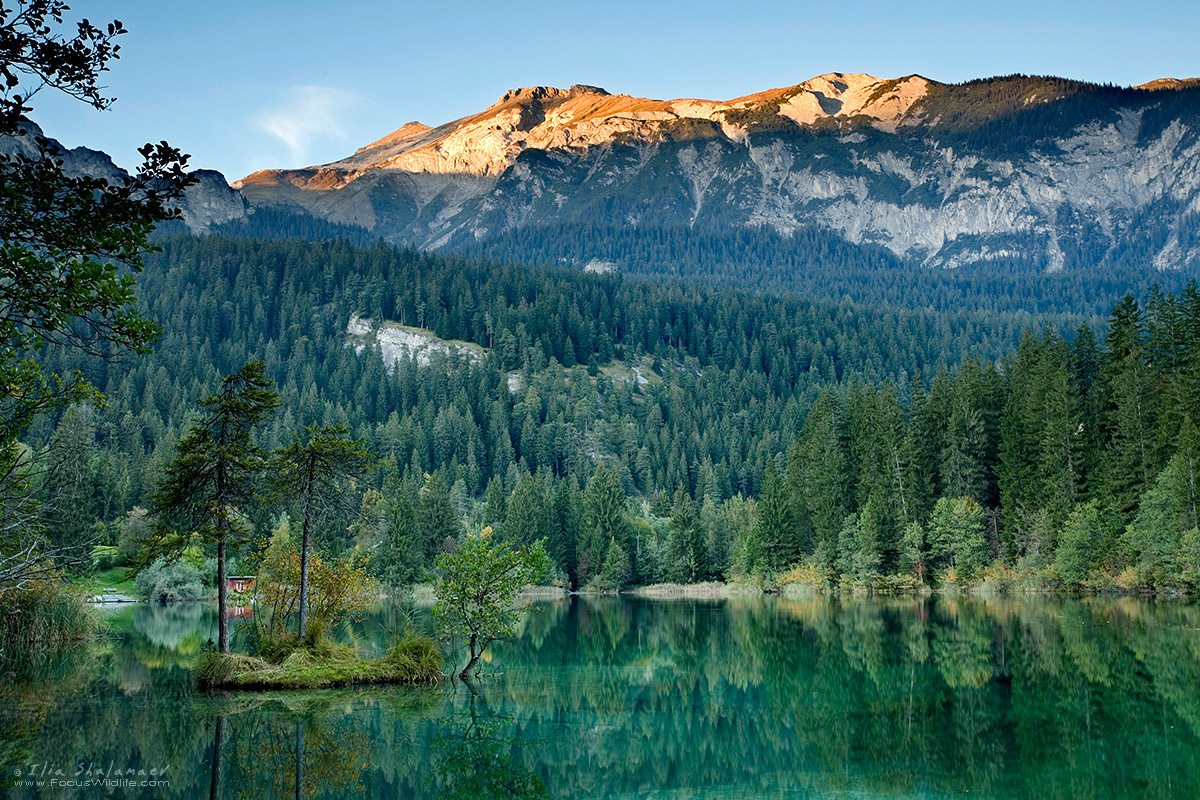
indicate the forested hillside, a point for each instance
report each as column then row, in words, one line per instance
column 809, row 262
column 815, row 263
column 657, row 431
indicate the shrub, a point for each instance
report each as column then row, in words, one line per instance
column 106, row 557
column 417, row 655
column 169, row 582
column 805, row 576
column 1078, row 544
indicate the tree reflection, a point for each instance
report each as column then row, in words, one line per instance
column 475, row 759
column 1006, row 697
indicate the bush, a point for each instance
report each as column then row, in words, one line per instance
column 417, row 655
column 1078, row 544
column 807, row 576
column 106, row 557
column 169, row 582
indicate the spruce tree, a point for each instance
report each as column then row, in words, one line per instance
column 438, row 516
column 68, row 507
column 565, row 535
column 774, row 526
column 1131, row 459
column 604, row 521
column 687, row 560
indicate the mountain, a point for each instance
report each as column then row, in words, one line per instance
column 208, row 201
column 1045, row 172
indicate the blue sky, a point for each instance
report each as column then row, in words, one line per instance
column 253, row 84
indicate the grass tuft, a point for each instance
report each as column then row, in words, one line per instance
column 413, row 659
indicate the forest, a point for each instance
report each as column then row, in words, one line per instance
column 654, row 431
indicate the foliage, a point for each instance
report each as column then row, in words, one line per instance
column 165, row 581
column 208, row 486
column 615, row 571
column 956, row 536
column 43, row 614
column 1080, row 539
column 313, row 471
column 66, row 238
column 340, row 589
column 850, row 406
column 68, row 248
column 478, row 587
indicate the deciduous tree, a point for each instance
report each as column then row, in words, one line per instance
column 478, row 587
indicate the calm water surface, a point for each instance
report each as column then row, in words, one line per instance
column 613, row 697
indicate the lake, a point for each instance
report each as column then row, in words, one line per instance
column 617, row 697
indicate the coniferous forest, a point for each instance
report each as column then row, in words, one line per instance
column 652, row 431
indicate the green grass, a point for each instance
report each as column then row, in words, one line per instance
column 46, row 614
column 413, row 659
column 115, row 580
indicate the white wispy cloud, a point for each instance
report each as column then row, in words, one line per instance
column 308, row 116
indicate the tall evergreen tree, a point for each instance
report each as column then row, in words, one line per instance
column 819, row 483
column 68, row 507
column 567, row 524
column 209, row 485
column 775, row 523
column 687, row 559
column 1131, row 459
column 438, row 516
column 604, row 522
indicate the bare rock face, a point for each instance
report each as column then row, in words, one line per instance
column 211, row 201
column 947, row 176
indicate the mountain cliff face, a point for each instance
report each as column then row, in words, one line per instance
column 943, row 175
column 208, row 201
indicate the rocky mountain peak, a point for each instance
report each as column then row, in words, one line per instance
column 1169, row 83
column 537, row 93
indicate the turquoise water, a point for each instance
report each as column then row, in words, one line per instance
column 615, row 697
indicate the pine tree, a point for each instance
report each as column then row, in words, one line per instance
column 68, row 506
column 530, row 515
column 567, row 523
column 775, row 526
column 1085, row 379
column 818, row 484
column 400, row 555
column 209, row 485
column 495, row 504
column 687, row 559
column 1131, row 459
column 1076, row 554
column 955, row 536
column 615, row 572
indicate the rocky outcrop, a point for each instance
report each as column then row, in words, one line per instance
column 1053, row 172
column 211, row 201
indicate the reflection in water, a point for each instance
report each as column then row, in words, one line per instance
column 217, row 763
column 475, row 759
column 609, row 697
